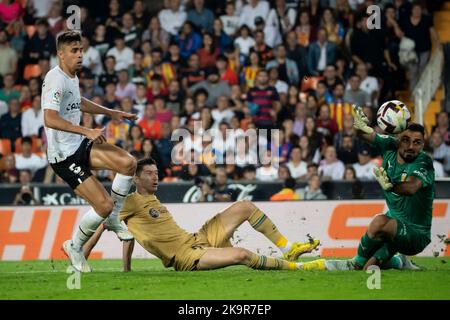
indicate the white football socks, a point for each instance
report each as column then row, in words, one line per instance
column 120, row 187
column 89, row 223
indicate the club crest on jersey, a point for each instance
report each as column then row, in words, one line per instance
column 154, row 213
column 404, row 176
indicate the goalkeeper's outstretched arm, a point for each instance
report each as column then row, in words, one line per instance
column 360, row 123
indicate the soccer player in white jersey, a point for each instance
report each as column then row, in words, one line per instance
column 74, row 150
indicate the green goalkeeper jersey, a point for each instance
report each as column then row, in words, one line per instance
column 417, row 208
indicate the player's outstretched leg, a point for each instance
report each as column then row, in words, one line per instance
column 382, row 229
column 222, row 257
column 118, row 160
column 94, row 192
column 240, row 211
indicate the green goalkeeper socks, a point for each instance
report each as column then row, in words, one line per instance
column 367, row 247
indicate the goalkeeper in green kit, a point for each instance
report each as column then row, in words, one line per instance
column 407, row 179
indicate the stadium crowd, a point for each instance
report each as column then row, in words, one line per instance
column 292, row 65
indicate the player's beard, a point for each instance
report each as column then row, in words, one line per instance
column 408, row 157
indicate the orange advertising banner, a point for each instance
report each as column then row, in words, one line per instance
column 31, row 233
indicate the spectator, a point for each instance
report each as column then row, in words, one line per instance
column 174, row 58
column 244, row 42
column 296, row 53
column 90, row 89
column 8, row 56
column 252, row 10
column 226, row 74
column 41, row 44
column 55, row 19
column 443, row 126
column 200, row 16
column 305, row 32
column 297, row 167
column 346, row 151
column 32, row 119
column 172, row 18
column 281, row 86
column 91, row 57
column 156, row 89
column 124, row 87
column 109, row 76
column 441, row 151
column 331, row 168
column 287, row 193
column 188, row 40
column 334, row 29
column 347, row 130
column 312, row 191
column 312, row 169
column 357, row 186
column 9, row 172
column 419, row 28
column 149, row 124
column 209, row 52
column 287, row 68
column 283, row 173
column 129, row 31
column 313, row 136
column 300, row 119
column 229, row 19
column 368, row 83
column 163, row 114
column 100, row 40
column 218, row 191
column 280, row 20
column 164, row 144
column 251, row 70
column 156, row 36
column 213, row 86
column 116, row 132
column 28, row 160
column 222, row 112
column 124, row 55
column 221, row 39
column 134, row 139
column 11, row 122
column 8, row 92
column 261, row 48
column 141, row 16
column 339, row 108
column 149, row 150
column 325, row 124
column 249, row 173
column 320, row 54
column 364, row 167
column 267, row 172
column 263, row 101
column 355, row 95
column 331, row 77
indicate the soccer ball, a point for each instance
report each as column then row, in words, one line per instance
column 393, row 116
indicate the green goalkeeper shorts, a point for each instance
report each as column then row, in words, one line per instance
column 409, row 239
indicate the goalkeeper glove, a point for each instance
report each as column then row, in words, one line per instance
column 382, row 178
column 360, row 120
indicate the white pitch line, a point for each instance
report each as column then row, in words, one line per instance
column 54, row 271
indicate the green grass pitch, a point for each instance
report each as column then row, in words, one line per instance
column 150, row 280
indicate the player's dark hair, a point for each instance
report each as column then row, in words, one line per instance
column 416, row 128
column 67, row 38
column 142, row 163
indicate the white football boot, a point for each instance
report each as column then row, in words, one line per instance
column 76, row 257
column 121, row 230
column 408, row 264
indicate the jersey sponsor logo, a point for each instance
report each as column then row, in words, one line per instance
column 421, row 173
column 73, row 106
column 153, row 213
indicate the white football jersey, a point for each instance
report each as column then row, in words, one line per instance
column 62, row 93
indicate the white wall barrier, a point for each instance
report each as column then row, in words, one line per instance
column 30, row 233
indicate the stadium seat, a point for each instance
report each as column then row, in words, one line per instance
column 310, row 83
column 35, row 145
column 5, row 146
column 31, row 71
